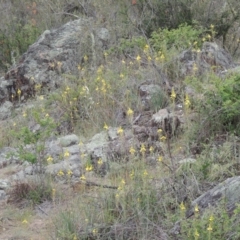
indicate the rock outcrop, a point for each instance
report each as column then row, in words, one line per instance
column 56, row 52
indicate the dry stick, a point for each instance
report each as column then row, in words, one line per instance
column 88, row 183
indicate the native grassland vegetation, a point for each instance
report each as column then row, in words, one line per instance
column 146, row 198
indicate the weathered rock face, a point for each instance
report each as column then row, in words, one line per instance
column 229, row 191
column 211, row 56
column 57, row 51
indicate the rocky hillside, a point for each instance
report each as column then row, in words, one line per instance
column 121, row 131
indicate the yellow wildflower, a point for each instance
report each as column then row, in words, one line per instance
column 142, row 149
column 151, row 149
column 138, row 58
column 195, row 68
column 211, row 218
column 95, row 231
column 49, row 160
column 67, row 89
column 132, row 150
column 24, row 114
column 159, row 131
column 60, row 173
column 105, row 126
column 85, row 58
column 160, row 158
column 187, row 101
column 89, row 168
column 41, row 97
column 182, row 207
column 83, row 178
column 162, row 56
column 19, row 92
column 212, row 26
column 130, row 112
column 208, row 36
column 120, row 131
column 173, row 94
column 14, row 124
column 24, row 221
column 209, row 228
column 100, row 161
column 83, row 155
column 75, row 237
column 196, row 209
column 146, row 48
column 69, row 172
column 46, row 115
column 196, row 234
column 145, row 173
column 66, row 154
column 121, row 75
column 163, row 138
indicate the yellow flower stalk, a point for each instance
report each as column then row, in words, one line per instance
column 196, row 209
column 182, row 207
column 89, row 168
column 105, row 126
column 49, row 160
column 173, row 95
column 160, row 158
column 209, row 228
column 163, row 138
column 83, row 178
column 138, row 58
column 196, row 234
column 120, row 131
column 132, row 150
column 145, row 173
column 151, row 149
column 129, row 112
column 187, row 102
column 19, row 92
column 60, row 173
column 142, row 149
column 66, row 154
column 24, row 221
column 69, row 173
column 159, row 131
column 100, row 161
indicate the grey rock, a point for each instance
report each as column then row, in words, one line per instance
column 96, row 142
column 76, row 173
column 53, row 149
column 4, row 184
column 75, row 149
column 112, row 133
column 3, row 195
column 6, row 110
column 229, row 190
column 187, row 161
column 146, row 92
column 69, row 140
column 28, row 170
column 56, row 52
